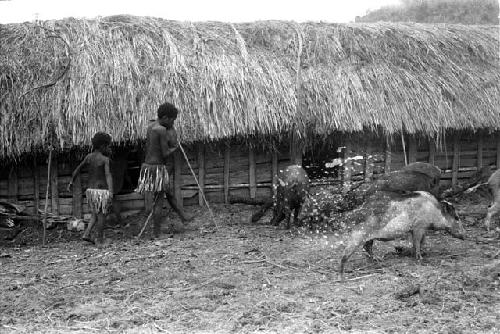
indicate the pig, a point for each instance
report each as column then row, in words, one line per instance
column 387, row 215
column 413, row 177
column 494, row 187
column 292, row 189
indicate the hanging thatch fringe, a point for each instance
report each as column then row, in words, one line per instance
column 110, row 74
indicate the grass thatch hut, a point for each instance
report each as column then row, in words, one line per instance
column 253, row 97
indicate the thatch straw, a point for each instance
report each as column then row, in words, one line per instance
column 71, row 78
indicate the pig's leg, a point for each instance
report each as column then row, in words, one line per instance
column 418, row 235
column 368, row 247
column 278, row 214
column 492, row 210
column 288, row 214
column 256, row 216
column 296, row 214
column 355, row 239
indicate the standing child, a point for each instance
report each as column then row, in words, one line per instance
column 100, row 184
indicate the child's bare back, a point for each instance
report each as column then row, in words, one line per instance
column 97, row 164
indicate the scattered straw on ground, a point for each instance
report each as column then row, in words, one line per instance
column 247, row 278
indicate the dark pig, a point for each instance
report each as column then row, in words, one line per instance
column 417, row 176
column 386, row 216
column 292, row 189
column 494, row 186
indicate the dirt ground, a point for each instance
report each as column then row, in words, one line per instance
column 244, row 278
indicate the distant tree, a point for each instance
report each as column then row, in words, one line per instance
column 437, row 11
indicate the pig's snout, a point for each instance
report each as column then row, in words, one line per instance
column 457, row 230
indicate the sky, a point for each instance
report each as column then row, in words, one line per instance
column 12, row 11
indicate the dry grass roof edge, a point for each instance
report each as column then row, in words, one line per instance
column 67, row 79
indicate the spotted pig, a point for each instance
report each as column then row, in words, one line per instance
column 387, row 215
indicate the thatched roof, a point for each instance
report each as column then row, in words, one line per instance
column 70, row 78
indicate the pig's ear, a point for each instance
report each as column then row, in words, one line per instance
column 448, row 209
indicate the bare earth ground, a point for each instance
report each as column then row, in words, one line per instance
column 244, row 278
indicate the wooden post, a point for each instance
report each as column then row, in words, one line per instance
column 456, row 160
column 54, row 191
column 201, row 171
column 274, row 171
column 412, row 150
column 178, row 178
column 368, row 170
column 348, row 163
column 388, row 157
column 432, row 151
column 77, row 196
column 227, row 166
column 498, row 152
column 480, row 146
column 251, row 173
column 36, row 186
column 13, row 185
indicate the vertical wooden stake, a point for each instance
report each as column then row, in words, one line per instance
column 76, row 190
column 178, row 178
column 49, row 168
column 368, row 170
column 480, row 147
column 251, row 173
column 456, row 160
column 498, row 151
column 201, row 171
column 274, row 171
column 432, row 151
column 348, row 163
column 388, row 157
column 227, row 166
column 54, row 188
column 36, row 186
column 404, row 148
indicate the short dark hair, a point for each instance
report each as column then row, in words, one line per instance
column 100, row 139
column 167, row 109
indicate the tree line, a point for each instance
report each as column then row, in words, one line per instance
column 437, row 11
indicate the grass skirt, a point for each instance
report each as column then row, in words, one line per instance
column 153, row 178
column 99, row 200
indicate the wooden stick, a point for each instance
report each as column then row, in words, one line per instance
column 47, row 197
column 149, row 216
column 178, row 179
column 201, row 173
column 53, row 188
column 456, row 161
column 36, row 186
column 199, row 187
column 251, row 173
column 480, row 148
column 387, row 160
column 404, row 148
column 227, row 179
column 274, row 172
